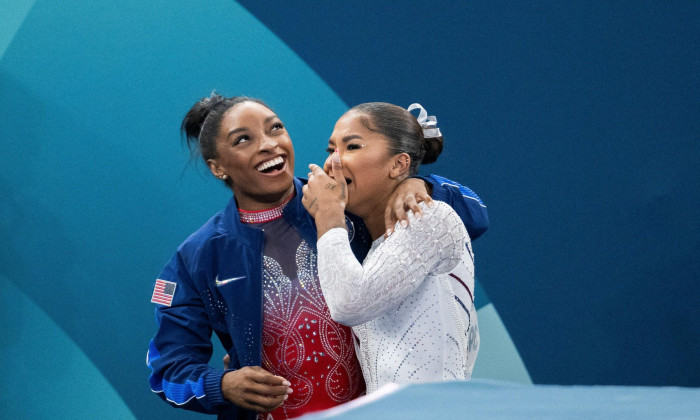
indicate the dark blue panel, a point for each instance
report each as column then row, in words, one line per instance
column 578, row 124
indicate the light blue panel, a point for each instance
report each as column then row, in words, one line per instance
column 46, row 374
column 495, row 400
column 498, row 357
column 13, row 14
column 96, row 188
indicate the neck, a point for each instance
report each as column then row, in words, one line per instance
column 263, row 202
column 374, row 218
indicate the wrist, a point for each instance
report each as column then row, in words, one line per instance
column 213, row 390
column 331, row 211
column 328, row 218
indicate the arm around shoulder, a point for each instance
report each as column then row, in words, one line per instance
column 470, row 208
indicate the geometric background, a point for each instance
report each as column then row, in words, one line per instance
column 577, row 124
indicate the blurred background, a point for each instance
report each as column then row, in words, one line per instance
column 577, row 123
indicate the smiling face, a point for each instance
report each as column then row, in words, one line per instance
column 254, row 150
column 368, row 165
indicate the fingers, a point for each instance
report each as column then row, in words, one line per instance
column 395, row 213
column 404, row 198
column 264, row 404
column 328, row 163
column 254, row 388
column 263, row 376
column 389, row 221
column 424, row 197
column 315, row 169
column 411, row 203
column 227, row 361
column 337, row 173
column 266, row 390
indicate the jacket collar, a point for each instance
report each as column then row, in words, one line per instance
column 294, row 212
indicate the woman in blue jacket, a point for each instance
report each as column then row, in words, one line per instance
column 250, row 276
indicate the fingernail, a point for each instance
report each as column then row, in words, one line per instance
column 404, row 223
column 289, row 391
column 431, row 204
column 388, row 233
column 417, row 216
column 285, row 397
column 286, row 383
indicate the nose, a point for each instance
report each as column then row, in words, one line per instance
column 328, row 164
column 268, row 143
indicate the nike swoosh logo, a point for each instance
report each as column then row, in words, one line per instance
column 220, row 283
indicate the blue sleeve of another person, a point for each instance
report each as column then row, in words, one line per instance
column 464, row 201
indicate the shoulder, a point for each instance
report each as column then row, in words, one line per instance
column 202, row 237
column 206, row 231
column 439, row 212
column 440, row 219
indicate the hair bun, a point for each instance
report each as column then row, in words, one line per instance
column 433, row 148
column 194, row 120
column 432, row 138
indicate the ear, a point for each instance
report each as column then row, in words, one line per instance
column 401, row 162
column 215, row 169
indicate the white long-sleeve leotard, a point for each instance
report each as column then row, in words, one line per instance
column 410, row 303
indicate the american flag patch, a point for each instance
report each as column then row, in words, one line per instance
column 163, row 292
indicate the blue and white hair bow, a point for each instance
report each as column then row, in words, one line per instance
column 428, row 123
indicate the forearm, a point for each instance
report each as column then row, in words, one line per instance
column 340, row 275
column 358, row 293
column 185, row 382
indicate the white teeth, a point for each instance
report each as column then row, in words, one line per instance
column 270, row 163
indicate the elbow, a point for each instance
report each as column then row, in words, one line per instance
column 478, row 228
column 480, row 225
column 345, row 316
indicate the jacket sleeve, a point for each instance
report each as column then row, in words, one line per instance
column 180, row 350
column 464, row 201
column 357, row 293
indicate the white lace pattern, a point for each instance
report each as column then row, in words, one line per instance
column 410, row 304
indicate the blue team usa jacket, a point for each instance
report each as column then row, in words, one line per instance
column 193, row 304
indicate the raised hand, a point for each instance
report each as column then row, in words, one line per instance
column 325, row 196
column 406, row 196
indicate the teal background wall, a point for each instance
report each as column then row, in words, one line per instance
column 577, row 124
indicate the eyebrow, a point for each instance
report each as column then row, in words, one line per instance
column 239, row 129
column 347, row 138
column 236, row 130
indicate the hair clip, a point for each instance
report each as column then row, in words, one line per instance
column 427, row 123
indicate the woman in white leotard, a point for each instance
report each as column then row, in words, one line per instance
column 410, row 302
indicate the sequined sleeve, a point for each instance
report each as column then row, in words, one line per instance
column 357, row 293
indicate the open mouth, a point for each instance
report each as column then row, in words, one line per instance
column 271, row 166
